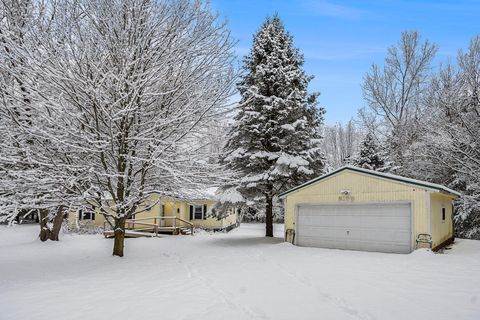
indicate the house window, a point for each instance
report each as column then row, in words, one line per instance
column 443, row 214
column 86, row 215
column 198, row 212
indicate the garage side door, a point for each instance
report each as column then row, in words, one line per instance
column 366, row 227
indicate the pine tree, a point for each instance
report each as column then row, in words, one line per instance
column 274, row 142
column 370, row 156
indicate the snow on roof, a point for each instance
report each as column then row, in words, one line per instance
column 189, row 194
column 424, row 184
column 192, row 194
column 212, row 191
column 230, row 195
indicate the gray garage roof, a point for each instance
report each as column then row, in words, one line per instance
column 420, row 183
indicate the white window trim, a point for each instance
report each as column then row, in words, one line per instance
column 81, row 215
column 194, row 207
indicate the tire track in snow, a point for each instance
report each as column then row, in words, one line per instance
column 337, row 301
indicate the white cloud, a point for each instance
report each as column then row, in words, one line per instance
column 327, row 8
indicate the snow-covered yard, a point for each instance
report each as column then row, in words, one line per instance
column 239, row 275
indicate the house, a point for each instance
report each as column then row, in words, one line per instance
column 166, row 213
column 27, row 217
column 358, row 209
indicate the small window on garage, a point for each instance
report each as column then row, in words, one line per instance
column 443, row 215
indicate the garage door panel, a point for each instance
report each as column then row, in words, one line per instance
column 369, row 227
column 399, row 223
column 322, row 220
column 323, row 242
column 356, row 220
column 374, row 231
column 380, row 235
column 326, row 232
column 382, row 247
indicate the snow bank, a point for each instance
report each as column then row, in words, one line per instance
column 238, row 275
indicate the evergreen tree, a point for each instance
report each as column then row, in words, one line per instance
column 274, row 142
column 449, row 149
column 370, row 156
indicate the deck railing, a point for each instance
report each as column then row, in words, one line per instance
column 155, row 227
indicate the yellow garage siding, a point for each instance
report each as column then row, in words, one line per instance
column 441, row 230
column 363, row 188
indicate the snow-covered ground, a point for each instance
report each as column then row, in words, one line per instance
column 239, row 275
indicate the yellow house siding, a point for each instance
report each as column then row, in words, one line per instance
column 153, row 203
column 173, row 208
column 363, row 188
column 230, row 219
column 441, row 230
column 73, row 221
column 166, row 207
column 213, row 222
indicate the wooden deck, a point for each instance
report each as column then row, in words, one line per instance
column 130, row 234
column 135, row 228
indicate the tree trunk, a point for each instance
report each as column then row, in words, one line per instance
column 57, row 223
column 119, row 240
column 269, row 216
column 44, row 231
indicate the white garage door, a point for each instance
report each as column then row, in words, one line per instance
column 366, row 227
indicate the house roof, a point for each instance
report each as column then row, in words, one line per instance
column 423, row 184
column 191, row 194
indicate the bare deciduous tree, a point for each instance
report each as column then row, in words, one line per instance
column 20, row 192
column 450, row 144
column 341, row 143
column 122, row 87
column 395, row 91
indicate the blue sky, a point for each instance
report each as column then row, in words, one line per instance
column 341, row 39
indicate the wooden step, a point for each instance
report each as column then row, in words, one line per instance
column 131, row 234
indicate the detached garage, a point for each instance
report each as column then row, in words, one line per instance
column 358, row 209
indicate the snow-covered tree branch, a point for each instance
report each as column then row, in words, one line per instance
column 121, row 88
column 394, row 92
